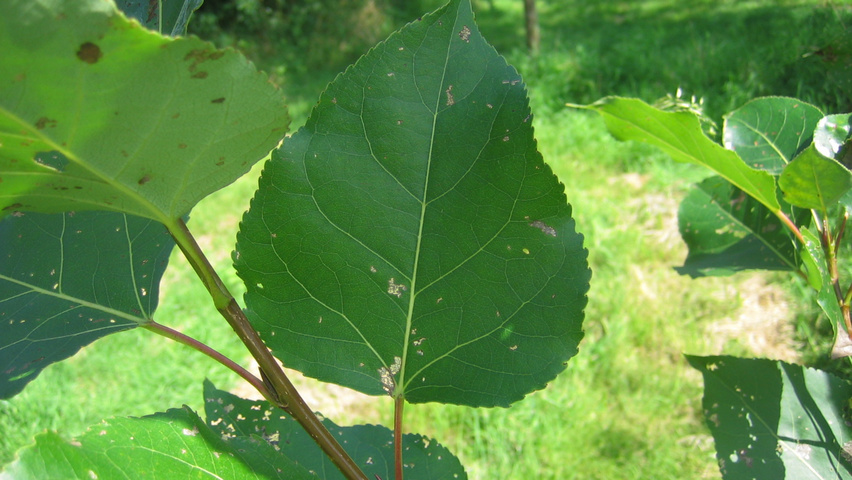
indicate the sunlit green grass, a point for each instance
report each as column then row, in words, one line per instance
column 626, row 407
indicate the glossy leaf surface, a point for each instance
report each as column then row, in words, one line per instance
column 410, row 239
column 775, row 420
column 768, row 132
column 174, row 444
column 728, row 231
column 833, row 138
column 814, row 181
column 679, row 134
column 67, row 280
column 178, row 120
column 257, row 428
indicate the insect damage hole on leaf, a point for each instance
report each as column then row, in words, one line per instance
column 387, row 375
column 396, row 289
column 545, row 228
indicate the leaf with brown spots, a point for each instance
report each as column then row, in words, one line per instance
column 111, row 138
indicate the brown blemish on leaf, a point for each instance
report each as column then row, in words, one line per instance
column 199, row 75
column 45, row 122
column 182, row 146
column 464, row 34
column 199, row 56
column 176, row 115
column 218, row 100
column 450, row 99
column 89, row 53
column 144, row 180
column 220, row 162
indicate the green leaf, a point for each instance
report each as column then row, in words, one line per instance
column 258, row 427
column 679, row 134
column 814, row 181
column 175, row 444
column 173, row 13
column 768, row 132
column 819, row 278
column 409, row 238
column 728, row 231
column 67, row 280
column 775, row 420
column 98, row 113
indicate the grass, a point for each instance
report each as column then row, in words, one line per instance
column 627, row 406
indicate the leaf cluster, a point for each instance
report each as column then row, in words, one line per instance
column 779, row 200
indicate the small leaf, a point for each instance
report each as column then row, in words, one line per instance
column 257, row 426
column 768, row 132
column 148, row 126
column 171, row 445
column 67, row 280
column 833, row 138
column 679, row 134
column 776, row 420
column 819, row 277
column 728, row 231
column 410, row 239
column 814, row 181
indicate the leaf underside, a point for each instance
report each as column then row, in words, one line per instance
column 98, row 113
column 728, row 231
column 775, row 420
column 67, row 280
column 409, row 239
column 173, row 14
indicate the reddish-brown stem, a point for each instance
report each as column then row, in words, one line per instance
column 179, row 337
column 277, row 384
column 399, row 403
column 790, row 225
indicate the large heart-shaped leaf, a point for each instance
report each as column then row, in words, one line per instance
column 175, row 444
column 258, row 428
column 776, row 420
column 679, row 134
column 409, row 238
column 97, row 112
column 728, row 231
column 67, row 280
column 768, row 132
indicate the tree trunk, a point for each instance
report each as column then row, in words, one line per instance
column 531, row 21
